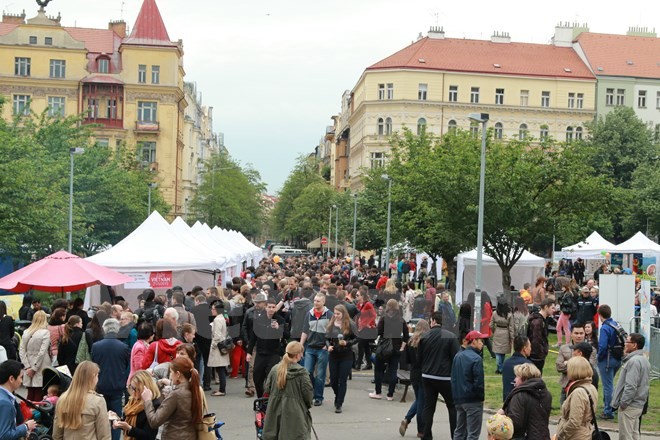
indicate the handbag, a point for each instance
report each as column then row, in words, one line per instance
column 384, row 349
column 596, row 434
column 82, row 354
column 154, row 364
column 206, row 428
column 226, row 346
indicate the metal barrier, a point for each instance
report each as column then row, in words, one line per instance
column 654, row 353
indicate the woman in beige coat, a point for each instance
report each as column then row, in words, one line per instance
column 502, row 326
column 81, row 414
column 35, row 355
column 578, row 409
column 217, row 359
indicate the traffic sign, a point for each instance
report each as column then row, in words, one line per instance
column 324, row 240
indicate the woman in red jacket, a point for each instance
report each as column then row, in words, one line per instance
column 164, row 349
column 366, row 323
column 486, row 316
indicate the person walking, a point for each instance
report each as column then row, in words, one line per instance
column 435, row 354
column 217, row 359
column 34, row 355
column 632, row 390
column 341, row 335
column 537, row 332
column 529, row 404
column 366, row 324
column 290, row 391
column 502, row 326
column 81, row 413
column 609, row 358
column 313, row 339
column 391, row 326
column 412, row 353
column 567, row 307
column 580, row 404
column 136, row 426
column 468, row 387
column 203, row 318
column 521, row 350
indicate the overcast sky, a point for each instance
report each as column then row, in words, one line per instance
column 275, row 70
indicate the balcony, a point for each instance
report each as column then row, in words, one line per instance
column 107, row 123
column 147, row 126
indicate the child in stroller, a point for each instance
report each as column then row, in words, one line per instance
column 44, row 412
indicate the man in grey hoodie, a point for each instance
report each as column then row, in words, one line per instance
column 632, row 390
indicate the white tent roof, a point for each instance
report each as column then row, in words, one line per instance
column 228, row 240
column 153, row 246
column 527, row 259
column 591, row 247
column 253, row 253
column 638, row 243
column 204, row 233
column 181, row 228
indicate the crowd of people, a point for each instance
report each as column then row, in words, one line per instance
column 292, row 327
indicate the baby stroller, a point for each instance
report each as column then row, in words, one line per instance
column 260, row 406
column 44, row 412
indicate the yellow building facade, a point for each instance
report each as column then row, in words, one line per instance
column 527, row 89
column 130, row 86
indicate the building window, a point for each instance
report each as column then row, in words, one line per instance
column 21, row 105
column 92, row 108
column 155, row 74
column 381, row 91
column 148, row 152
column 453, row 93
column 578, row 133
column 142, row 73
column 103, row 142
column 381, row 126
column 390, row 91
column 641, row 99
column 499, row 129
column 388, row 126
column 421, row 126
column 474, row 129
column 147, row 111
column 524, row 98
column 609, row 97
column 545, row 99
column 544, row 133
column 580, row 100
column 104, row 65
column 620, row 96
column 451, row 126
column 657, row 100
column 474, row 95
column 377, row 160
column 33, row 39
column 56, row 106
column 57, row 68
column 21, row 66
column 522, row 131
column 111, row 109
column 569, row 134
column 499, row 96
column 571, row 100
column 48, row 41
column 421, row 92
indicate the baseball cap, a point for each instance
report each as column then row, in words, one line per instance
column 261, row 297
column 475, row 335
column 584, row 347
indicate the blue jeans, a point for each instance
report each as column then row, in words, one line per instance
column 500, row 361
column 316, row 359
column 113, row 402
column 392, row 365
column 417, row 407
column 607, row 372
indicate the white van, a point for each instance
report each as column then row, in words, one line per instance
column 279, row 249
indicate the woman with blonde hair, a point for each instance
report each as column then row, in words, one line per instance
column 291, row 393
column 340, row 336
column 136, row 426
column 417, row 407
column 34, row 355
column 81, row 413
column 181, row 410
column 580, row 404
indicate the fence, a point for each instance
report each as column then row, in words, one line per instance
column 654, row 353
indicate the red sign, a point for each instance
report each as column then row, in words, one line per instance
column 160, row 280
column 324, row 240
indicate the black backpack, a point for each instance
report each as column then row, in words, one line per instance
column 621, row 335
column 152, row 315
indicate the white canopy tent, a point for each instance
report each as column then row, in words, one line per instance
column 526, row 270
column 255, row 253
column 638, row 244
column 204, row 233
column 591, row 248
column 220, row 255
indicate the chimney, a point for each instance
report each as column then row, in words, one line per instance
column 119, row 27
column 566, row 33
column 13, row 18
column 638, row 31
column 500, row 37
column 437, row 33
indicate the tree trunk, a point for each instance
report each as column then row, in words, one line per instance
column 506, row 280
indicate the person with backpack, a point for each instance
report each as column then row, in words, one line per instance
column 611, row 342
column 152, row 311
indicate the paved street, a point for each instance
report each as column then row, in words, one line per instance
column 363, row 418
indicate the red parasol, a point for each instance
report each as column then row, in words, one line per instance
column 61, row 272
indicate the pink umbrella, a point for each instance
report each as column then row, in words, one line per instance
column 61, row 272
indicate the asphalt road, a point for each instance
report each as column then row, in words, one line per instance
column 362, row 418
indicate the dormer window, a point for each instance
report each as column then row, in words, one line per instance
column 103, row 65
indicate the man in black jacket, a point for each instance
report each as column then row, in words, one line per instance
column 436, row 352
column 521, row 350
column 537, row 332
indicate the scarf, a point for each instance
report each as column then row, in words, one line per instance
column 131, row 410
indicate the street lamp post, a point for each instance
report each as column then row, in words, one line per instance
column 72, row 151
column 329, row 230
column 389, row 217
column 481, row 118
column 150, row 186
column 336, row 229
column 354, row 225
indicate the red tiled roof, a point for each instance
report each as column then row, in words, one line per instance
column 6, row 28
column 481, row 56
column 96, row 40
column 149, row 27
column 612, row 54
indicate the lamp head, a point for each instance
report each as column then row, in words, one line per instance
column 76, row 150
column 479, row 117
column 385, row 176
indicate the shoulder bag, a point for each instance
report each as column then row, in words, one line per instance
column 384, row 350
column 596, row 433
column 206, row 428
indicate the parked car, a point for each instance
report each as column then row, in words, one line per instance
column 279, row 248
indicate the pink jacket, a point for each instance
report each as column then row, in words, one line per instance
column 137, row 356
